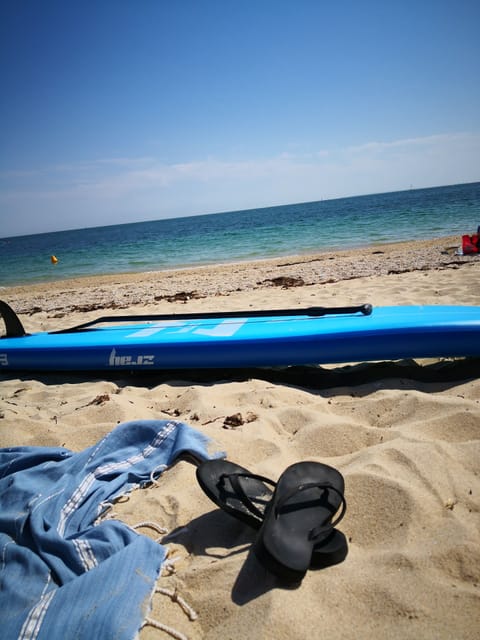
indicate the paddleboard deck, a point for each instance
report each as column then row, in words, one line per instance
column 245, row 339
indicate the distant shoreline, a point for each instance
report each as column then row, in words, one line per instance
column 276, row 233
column 119, row 291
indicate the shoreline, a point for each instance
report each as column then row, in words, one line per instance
column 120, row 291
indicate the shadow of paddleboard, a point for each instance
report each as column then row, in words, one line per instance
column 396, row 374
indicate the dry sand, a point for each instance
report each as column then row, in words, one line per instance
column 406, row 436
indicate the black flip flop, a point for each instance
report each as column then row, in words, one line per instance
column 299, row 518
column 246, row 496
column 240, row 493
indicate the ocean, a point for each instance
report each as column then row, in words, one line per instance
column 237, row 236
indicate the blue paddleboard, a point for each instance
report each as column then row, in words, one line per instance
column 245, row 339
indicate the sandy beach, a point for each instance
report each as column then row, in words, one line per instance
column 405, row 435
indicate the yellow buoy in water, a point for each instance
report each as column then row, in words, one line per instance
column 54, row 259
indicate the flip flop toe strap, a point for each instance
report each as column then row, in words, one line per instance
column 240, row 493
column 325, row 527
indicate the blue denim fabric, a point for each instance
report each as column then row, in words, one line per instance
column 62, row 576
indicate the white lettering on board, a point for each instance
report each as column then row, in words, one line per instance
column 223, row 329
column 129, row 361
column 3, row 360
column 152, row 329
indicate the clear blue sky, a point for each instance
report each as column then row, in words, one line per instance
column 122, row 110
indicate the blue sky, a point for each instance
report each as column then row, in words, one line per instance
column 125, row 110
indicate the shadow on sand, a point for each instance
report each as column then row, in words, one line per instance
column 396, row 374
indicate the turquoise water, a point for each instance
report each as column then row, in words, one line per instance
column 242, row 235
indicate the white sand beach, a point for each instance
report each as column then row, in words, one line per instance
column 406, row 437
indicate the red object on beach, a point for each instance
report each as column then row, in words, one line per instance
column 471, row 244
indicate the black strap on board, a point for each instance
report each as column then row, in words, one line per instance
column 365, row 309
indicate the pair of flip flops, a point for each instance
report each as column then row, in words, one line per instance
column 294, row 517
